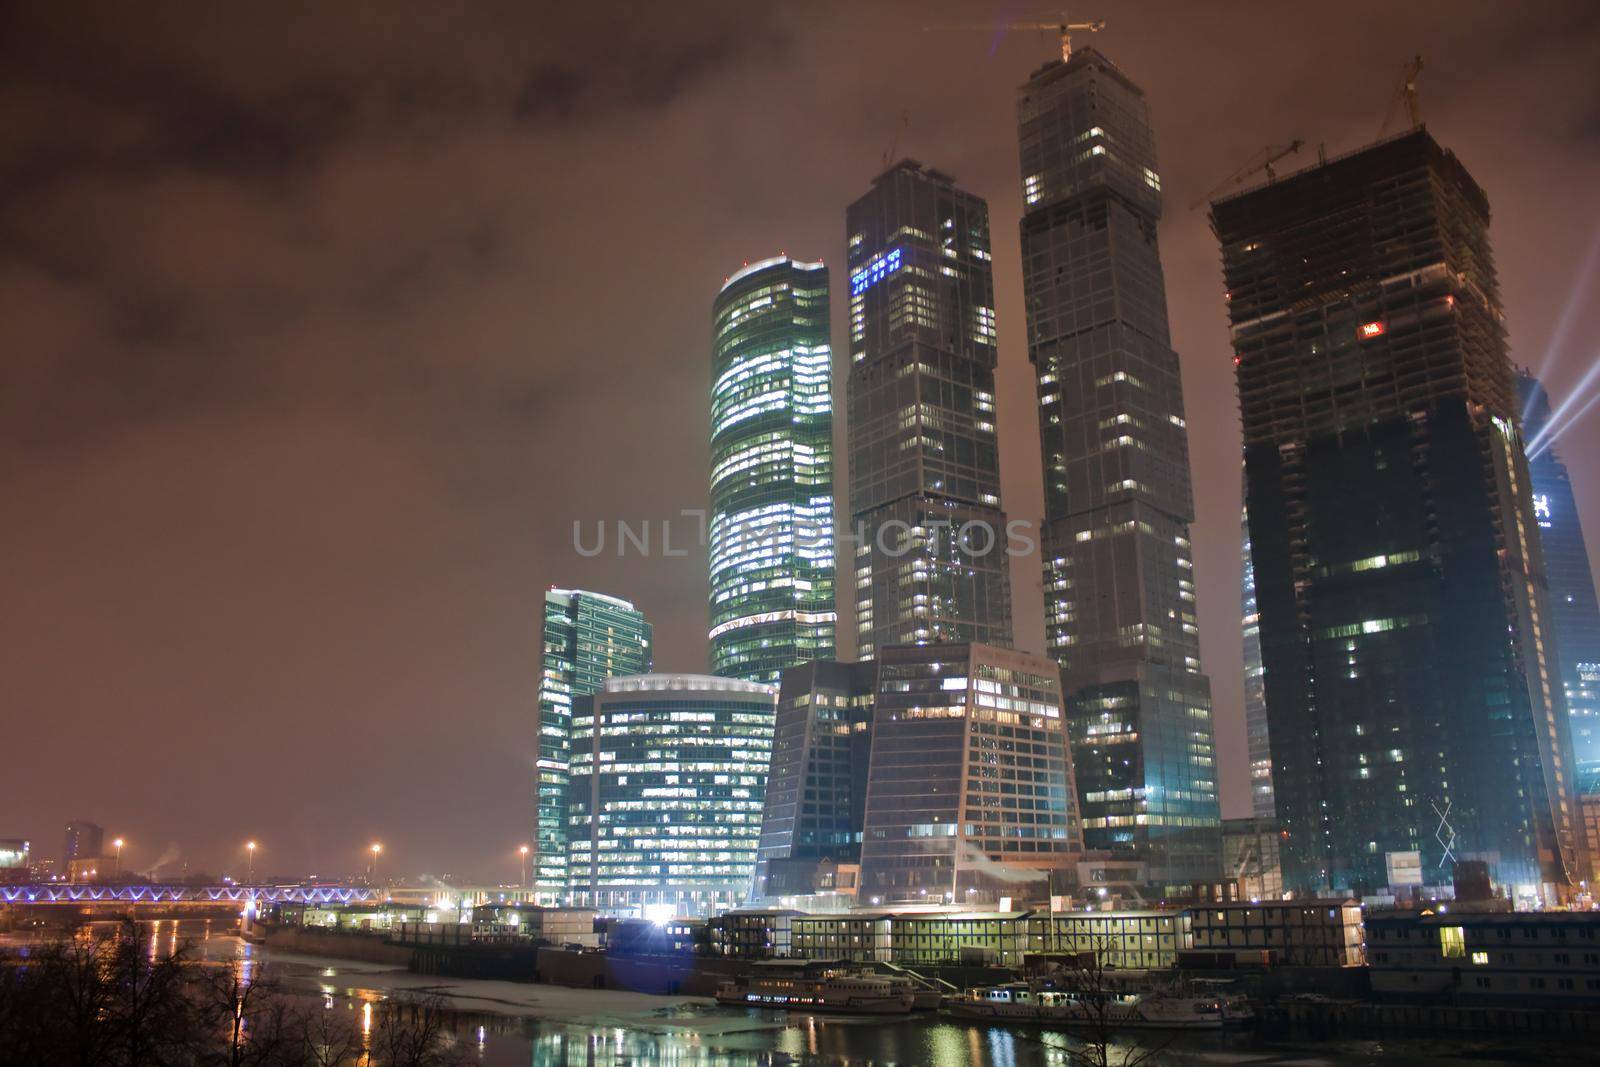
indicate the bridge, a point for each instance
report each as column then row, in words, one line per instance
column 80, row 894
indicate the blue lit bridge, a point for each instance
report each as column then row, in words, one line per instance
column 177, row 897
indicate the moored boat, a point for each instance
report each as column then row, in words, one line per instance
column 1148, row 1009
column 831, row 992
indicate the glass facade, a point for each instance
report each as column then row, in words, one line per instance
column 588, row 637
column 669, row 772
column 816, row 793
column 970, row 790
column 930, row 559
column 1120, row 615
column 1574, row 613
column 1257, row 735
column 772, row 568
column 1404, row 625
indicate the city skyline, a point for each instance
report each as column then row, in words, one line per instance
column 296, row 472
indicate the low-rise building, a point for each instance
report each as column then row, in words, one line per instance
column 1549, row 958
column 752, row 935
column 1124, row 938
column 1309, row 933
column 14, row 860
column 1127, row 939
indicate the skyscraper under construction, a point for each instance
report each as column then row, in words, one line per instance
column 1120, row 613
column 1412, row 702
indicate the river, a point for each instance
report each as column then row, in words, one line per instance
column 515, row 1024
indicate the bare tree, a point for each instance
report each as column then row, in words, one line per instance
column 328, row 1038
column 414, row 1031
column 151, row 1015
column 1096, row 988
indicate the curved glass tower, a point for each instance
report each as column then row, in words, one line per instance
column 669, row 775
column 771, row 471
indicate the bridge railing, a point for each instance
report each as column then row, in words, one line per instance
column 84, row 893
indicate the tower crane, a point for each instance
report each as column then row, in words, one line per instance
column 1406, row 91
column 1266, row 160
column 1062, row 27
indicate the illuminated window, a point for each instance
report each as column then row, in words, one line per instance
column 1452, row 941
column 1479, row 959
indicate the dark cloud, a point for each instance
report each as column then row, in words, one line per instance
column 324, row 323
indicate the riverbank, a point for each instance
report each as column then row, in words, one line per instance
column 363, row 978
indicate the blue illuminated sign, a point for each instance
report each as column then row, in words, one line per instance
column 873, row 273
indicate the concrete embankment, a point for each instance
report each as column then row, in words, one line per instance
column 1330, row 1019
column 671, row 975
column 367, row 948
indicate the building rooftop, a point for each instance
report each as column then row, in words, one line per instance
column 1488, row 918
column 916, row 167
column 618, row 601
column 761, row 265
column 684, row 683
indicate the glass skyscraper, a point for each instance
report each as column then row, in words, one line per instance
column 1405, row 630
column 669, row 772
column 816, row 793
column 1258, row 735
column 1574, row 613
column 970, row 794
column 1120, row 614
column 930, row 559
column 771, row 525
column 588, row 637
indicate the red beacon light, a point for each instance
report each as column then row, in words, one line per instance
column 1370, row 330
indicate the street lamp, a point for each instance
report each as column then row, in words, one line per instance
column 117, row 844
column 524, row 853
column 376, row 848
column 250, row 850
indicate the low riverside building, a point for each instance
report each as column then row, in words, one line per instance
column 1127, row 939
column 1543, row 959
column 752, row 935
column 1308, row 933
column 375, row 917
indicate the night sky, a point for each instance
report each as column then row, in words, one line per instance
column 322, row 324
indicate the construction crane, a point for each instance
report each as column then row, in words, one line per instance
column 1262, row 160
column 1061, row 26
column 905, row 124
column 1406, row 91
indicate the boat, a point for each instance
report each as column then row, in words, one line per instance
column 831, row 991
column 1153, row 1009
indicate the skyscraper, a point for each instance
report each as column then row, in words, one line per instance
column 931, row 562
column 816, row 792
column 970, row 794
column 668, row 777
column 1574, row 613
column 1404, row 632
column 1258, row 735
column 588, row 637
column 1120, row 613
column 771, row 471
